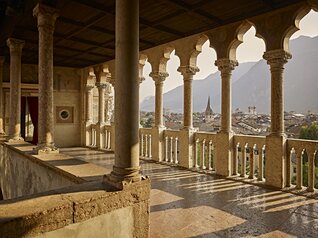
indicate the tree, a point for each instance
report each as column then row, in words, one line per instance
column 309, row 132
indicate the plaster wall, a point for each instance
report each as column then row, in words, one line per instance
column 21, row 175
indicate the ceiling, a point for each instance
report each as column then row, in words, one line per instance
column 85, row 30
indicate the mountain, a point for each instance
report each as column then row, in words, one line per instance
column 251, row 84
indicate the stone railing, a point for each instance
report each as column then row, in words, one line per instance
column 302, row 159
column 93, row 135
column 171, row 146
column 204, row 150
column 107, row 137
column 145, row 142
column 249, row 156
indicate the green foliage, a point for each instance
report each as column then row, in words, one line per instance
column 148, row 123
column 309, row 132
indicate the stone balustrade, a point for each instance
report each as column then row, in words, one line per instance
column 145, row 138
column 171, row 148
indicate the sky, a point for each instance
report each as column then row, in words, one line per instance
column 206, row 59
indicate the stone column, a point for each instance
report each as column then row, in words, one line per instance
column 186, row 140
column 101, row 113
column 159, row 78
column 126, row 168
column 276, row 141
column 224, row 143
column 1, row 98
column 141, row 79
column 15, row 88
column 46, row 17
column 187, row 73
column 226, row 66
column 158, row 130
column 88, row 113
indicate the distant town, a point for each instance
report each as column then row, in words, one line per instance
column 246, row 122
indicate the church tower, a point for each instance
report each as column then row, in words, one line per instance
column 208, row 112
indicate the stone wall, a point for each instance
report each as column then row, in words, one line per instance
column 67, row 95
column 91, row 209
column 22, row 174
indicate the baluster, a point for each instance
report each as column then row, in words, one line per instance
column 299, row 170
column 176, row 150
column 252, row 160
column 166, row 147
column 203, row 155
column 235, row 159
column 243, row 167
column 196, row 153
column 109, row 140
column 290, row 155
column 210, row 155
column 171, row 149
column 150, row 154
column 142, row 145
column 311, row 172
column 146, row 145
column 261, row 159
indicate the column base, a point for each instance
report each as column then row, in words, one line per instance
column 275, row 160
column 45, row 149
column 186, row 142
column 224, row 151
column 157, row 143
column 15, row 139
column 120, row 177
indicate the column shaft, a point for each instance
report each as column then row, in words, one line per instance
column 187, row 72
column 127, row 95
column 46, row 17
column 276, row 59
column 159, row 78
column 15, row 88
column 1, row 97
column 101, row 103
column 225, row 67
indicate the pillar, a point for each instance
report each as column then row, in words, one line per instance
column 101, row 113
column 46, row 17
column 186, row 139
column 276, row 141
column 15, row 46
column 188, row 72
column 158, row 130
column 224, row 141
column 141, row 79
column 159, row 78
column 1, row 97
column 226, row 66
column 88, row 113
column 126, row 168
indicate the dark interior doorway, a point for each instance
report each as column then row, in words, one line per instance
column 29, row 119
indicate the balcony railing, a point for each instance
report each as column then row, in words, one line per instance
column 171, row 148
column 145, row 135
column 302, row 160
column 248, row 158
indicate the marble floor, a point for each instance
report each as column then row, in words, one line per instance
column 190, row 204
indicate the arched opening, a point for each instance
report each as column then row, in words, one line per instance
column 206, row 91
column 251, row 88
column 301, row 109
column 173, row 95
column 147, row 98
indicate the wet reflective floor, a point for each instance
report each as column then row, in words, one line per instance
column 189, row 204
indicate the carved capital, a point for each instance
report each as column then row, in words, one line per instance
column 89, row 88
column 159, row 77
column 46, row 16
column 277, row 58
column 15, row 45
column 112, row 81
column 101, row 85
column 226, row 65
column 188, row 70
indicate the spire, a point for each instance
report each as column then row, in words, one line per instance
column 208, row 109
